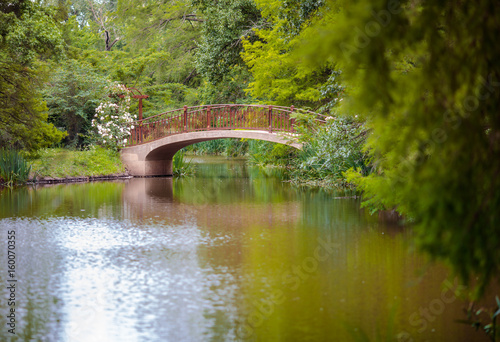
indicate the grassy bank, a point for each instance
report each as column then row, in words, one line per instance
column 60, row 163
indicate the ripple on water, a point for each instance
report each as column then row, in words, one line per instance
column 119, row 281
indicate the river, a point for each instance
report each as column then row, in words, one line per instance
column 231, row 254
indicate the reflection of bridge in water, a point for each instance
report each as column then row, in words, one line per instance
column 154, row 140
column 145, row 198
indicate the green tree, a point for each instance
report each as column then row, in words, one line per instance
column 72, row 95
column 79, row 39
column 428, row 76
column 154, row 53
column 168, row 28
column 230, row 89
column 225, row 24
column 27, row 33
column 100, row 16
column 278, row 76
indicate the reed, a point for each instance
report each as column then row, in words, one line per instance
column 14, row 169
column 180, row 166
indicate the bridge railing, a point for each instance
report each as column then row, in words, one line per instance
column 213, row 117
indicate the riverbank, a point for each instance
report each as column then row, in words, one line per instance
column 52, row 180
column 58, row 165
column 61, row 165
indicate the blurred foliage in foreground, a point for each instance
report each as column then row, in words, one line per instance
column 427, row 77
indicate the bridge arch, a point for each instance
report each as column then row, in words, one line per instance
column 155, row 158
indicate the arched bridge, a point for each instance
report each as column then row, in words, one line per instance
column 154, row 140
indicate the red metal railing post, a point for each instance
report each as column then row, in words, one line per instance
column 291, row 119
column 140, row 108
column 140, row 119
column 231, row 118
column 140, row 131
column 209, row 110
column 185, row 118
column 270, row 119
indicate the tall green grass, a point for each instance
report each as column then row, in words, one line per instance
column 14, row 169
column 180, row 167
column 60, row 163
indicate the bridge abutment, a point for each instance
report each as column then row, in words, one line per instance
column 140, row 167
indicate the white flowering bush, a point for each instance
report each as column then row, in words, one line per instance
column 112, row 119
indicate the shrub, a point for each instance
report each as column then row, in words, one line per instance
column 112, row 119
column 266, row 153
column 334, row 148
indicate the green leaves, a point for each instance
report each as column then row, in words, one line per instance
column 180, row 166
column 14, row 169
column 226, row 24
column 163, row 35
column 27, row 33
column 23, row 114
column 335, row 147
column 74, row 93
column 485, row 319
column 427, row 78
column 279, row 76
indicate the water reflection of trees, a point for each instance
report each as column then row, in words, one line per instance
column 81, row 200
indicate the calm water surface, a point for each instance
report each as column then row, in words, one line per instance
column 231, row 254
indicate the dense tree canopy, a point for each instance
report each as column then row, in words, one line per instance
column 75, row 90
column 226, row 22
column 168, row 28
column 279, row 73
column 27, row 33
